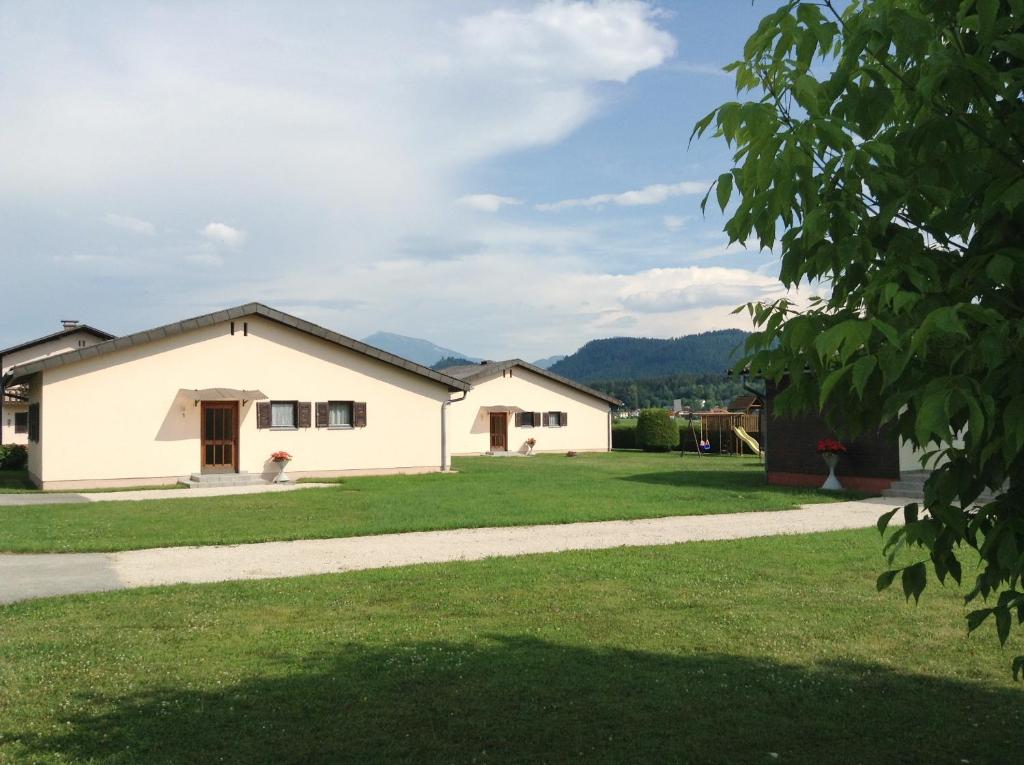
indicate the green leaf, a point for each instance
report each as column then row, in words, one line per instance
column 931, row 418
column 1018, row 667
column 883, row 521
column 724, row 189
column 830, row 382
column 914, row 579
column 862, row 369
column 885, row 579
column 975, row 618
column 1003, row 622
column 999, row 268
column 987, row 12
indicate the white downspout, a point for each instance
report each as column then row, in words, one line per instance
column 444, row 429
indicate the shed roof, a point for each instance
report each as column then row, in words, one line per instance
column 475, row 372
column 249, row 309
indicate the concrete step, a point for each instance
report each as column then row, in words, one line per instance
column 223, row 479
column 911, row 486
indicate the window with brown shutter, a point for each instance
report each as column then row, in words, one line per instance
column 304, row 414
column 322, row 414
column 359, row 414
column 536, row 419
column 519, row 419
column 33, row 423
column 262, row 414
column 21, row 422
column 556, row 419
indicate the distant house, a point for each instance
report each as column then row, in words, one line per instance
column 512, row 401
column 747, row 403
column 14, row 409
column 213, row 396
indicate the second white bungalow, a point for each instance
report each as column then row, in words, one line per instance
column 512, row 402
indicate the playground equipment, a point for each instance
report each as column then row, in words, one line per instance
column 729, row 430
column 748, row 439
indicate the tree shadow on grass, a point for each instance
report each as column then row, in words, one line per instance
column 523, row 699
column 726, row 481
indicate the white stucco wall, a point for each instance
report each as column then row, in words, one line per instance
column 119, row 417
column 80, row 338
column 469, row 422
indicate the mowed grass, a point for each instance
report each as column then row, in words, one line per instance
column 751, row 651
column 486, row 491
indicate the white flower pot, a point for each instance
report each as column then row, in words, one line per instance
column 831, row 483
column 281, row 476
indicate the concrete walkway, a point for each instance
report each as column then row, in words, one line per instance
column 137, row 495
column 33, row 576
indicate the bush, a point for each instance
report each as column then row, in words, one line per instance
column 656, row 431
column 623, row 437
column 13, row 456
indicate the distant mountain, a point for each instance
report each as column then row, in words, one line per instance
column 413, row 348
column 625, row 358
column 451, row 361
column 548, row 361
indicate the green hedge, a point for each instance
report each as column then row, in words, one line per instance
column 624, row 437
column 13, row 456
column 656, row 431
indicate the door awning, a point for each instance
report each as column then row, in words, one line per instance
column 500, row 408
column 222, row 394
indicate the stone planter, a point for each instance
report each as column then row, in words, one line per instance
column 281, row 476
column 831, row 483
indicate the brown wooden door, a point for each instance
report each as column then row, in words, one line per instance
column 219, row 438
column 499, row 431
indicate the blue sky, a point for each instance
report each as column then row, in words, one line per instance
column 506, row 178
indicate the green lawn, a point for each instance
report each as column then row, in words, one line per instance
column 727, row 652
column 485, row 492
column 17, row 482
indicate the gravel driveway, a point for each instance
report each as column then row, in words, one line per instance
column 32, row 576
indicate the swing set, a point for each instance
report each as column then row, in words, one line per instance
column 720, row 423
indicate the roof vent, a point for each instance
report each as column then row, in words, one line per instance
column 69, row 323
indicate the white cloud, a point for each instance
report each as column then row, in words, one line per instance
column 487, row 202
column 222, row 233
column 128, row 223
column 648, row 195
column 674, row 222
column 558, row 40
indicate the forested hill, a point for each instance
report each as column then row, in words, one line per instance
column 623, row 358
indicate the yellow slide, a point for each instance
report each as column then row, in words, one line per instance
column 749, row 440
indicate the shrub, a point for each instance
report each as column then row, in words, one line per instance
column 623, row 437
column 656, row 432
column 13, row 456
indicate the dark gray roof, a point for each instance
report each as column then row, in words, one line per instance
column 249, row 309
column 473, row 372
column 56, row 336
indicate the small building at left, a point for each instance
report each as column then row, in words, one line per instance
column 14, row 409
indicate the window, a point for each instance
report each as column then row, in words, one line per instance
column 528, row 419
column 21, row 422
column 556, row 419
column 340, row 414
column 81, row 343
column 282, row 414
